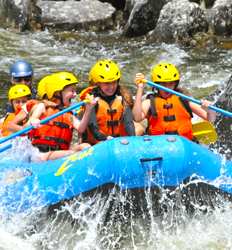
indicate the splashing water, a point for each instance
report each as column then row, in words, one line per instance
column 21, row 151
column 120, row 221
column 154, row 219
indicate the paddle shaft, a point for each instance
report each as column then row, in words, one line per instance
column 44, row 121
column 189, row 98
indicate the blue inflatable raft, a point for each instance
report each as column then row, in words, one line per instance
column 128, row 162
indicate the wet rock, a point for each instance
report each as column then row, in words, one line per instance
column 143, row 16
column 205, row 3
column 20, row 14
column 13, row 14
column 118, row 4
column 224, row 123
column 129, row 5
column 208, row 41
column 221, row 17
column 68, row 15
column 179, row 21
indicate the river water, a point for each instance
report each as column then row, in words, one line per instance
column 83, row 224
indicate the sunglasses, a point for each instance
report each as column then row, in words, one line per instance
column 22, row 79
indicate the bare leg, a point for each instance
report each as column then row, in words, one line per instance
column 139, row 128
column 79, row 147
column 52, row 155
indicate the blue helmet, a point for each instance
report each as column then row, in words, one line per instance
column 21, row 68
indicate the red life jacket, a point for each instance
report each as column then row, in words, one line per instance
column 169, row 116
column 57, row 133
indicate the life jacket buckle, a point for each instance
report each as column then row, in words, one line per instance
column 111, row 111
column 169, row 118
column 168, row 106
column 112, row 123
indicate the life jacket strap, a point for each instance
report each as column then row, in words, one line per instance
column 169, row 118
column 52, row 138
column 168, row 106
column 61, row 124
column 56, row 139
column 116, row 135
column 175, row 132
column 47, row 148
column 111, row 111
column 112, row 123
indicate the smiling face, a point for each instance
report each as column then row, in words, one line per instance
column 108, row 88
column 68, row 94
column 18, row 103
column 169, row 85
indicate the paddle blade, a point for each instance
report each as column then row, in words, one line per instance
column 204, row 132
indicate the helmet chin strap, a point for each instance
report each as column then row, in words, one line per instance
column 177, row 83
column 11, row 103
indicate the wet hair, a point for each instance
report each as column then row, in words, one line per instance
column 126, row 95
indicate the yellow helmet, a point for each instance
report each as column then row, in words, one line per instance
column 41, row 88
column 17, row 91
column 104, row 71
column 165, row 72
column 58, row 81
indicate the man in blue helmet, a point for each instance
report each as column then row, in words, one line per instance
column 21, row 72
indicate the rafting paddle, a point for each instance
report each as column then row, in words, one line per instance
column 44, row 121
column 204, row 132
column 216, row 109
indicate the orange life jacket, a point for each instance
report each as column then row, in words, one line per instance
column 10, row 117
column 169, row 116
column 57, row 133
column 108, row 119
column 4, row 127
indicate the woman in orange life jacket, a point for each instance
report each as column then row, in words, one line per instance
column 17, row 96
column 167, row 113
column 112, row 116
column 54, row 138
